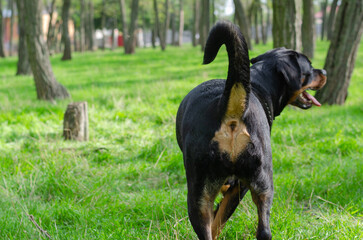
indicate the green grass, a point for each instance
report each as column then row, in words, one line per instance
column 128, row 180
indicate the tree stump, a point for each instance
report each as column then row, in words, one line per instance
column 75, row 123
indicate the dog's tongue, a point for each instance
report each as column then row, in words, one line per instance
column 314, row 101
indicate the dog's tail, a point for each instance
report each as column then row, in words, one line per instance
column 236, row 92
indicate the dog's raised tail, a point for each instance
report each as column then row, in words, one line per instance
column 235, row 97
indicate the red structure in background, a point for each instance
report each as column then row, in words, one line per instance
column 120, row 41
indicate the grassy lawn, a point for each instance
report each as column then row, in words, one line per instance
column 128, row 180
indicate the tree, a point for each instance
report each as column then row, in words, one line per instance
column 196, row 17
column 243, row 21
column 23, row 66
column 286, row 30
column 11, row 6
column 2, row 54
column 308, row 28
column 90, row 26
column 162, row 29
column 181, row 22
column 129, row 34
column 46, row 85
column 323, row 5
column 50, row 33
column 204, row 23
column 82, row 18
column 65, row 33
column 342, row 52
column 103, row 24
column 331, row 19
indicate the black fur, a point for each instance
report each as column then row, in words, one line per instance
column 275, row 77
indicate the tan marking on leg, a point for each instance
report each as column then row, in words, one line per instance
column 206, row 210
column 232, row 137
column 220, row 218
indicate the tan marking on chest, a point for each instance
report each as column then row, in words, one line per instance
column 236, row 102
column 232, row 137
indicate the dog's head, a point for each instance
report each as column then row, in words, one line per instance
column 298, row 75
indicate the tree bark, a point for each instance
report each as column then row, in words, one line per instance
column 161, row 29
column 257, row 38
column 91, row 27
column 65, row 33
column 308, row 29
column 2, row 54
column 50, row 33
column 331, row 20
column 129, row 35
column 204, row 23
column 342, row 52
column 323, row 24
column 11, row 5
column 23, row 66
column 82, row 32
column 46, row 85
column 243, row 22
column 181, row 22
column 103, row 24
column 75, row 123
column 263, row 27
column 286, row 26
column 196, row 17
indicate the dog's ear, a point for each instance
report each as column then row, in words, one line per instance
column 289, row 67
column 268, row 54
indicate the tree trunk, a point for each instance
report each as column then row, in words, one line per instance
column 133, row 24
column 129, row 36
column 50, row 33
column 173, row 27
column 75, row 122
column 91, row 27
column 263, row 27
column 82, row 32
column 323, row 24
column 114, row 26
column 46, row 85
column 23, row 66
column 161, row 30
column 204, row 23
column 103, row 24
column 2, row 54
column 286, row 26
column 65, row 33
column 331, row 20
column 342, row 52
column 213, row 6
column 11, row 5
column 196, row 17
column 243, row 22
column 125, row 31
column 257, row 38
column 181, row 23
column 308, row 29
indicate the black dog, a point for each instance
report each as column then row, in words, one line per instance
column 223, row 128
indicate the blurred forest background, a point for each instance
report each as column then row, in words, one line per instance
column 40, row 28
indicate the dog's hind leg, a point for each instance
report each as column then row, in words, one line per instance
column 263, row 201
column 200, row 209
column 227, row 206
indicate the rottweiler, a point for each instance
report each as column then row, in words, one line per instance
column 223, row 128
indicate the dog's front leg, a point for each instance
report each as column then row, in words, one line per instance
column 263, row 201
